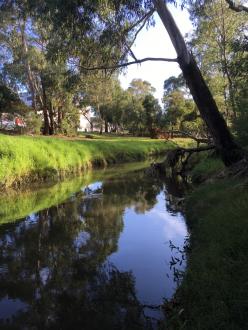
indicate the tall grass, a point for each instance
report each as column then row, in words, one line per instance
column 214, row 291
column 31, row 158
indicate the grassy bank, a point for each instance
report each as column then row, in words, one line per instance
column 25, row 158
column 214, row 292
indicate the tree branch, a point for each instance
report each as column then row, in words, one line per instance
column 132, row 54
column 145, row 17
column 143, row 20
column 237, row 8
column 121, row 65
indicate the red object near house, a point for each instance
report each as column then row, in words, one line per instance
column 19, row 122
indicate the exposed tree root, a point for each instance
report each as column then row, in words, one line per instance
column 240, row 169
column 198, row 139
column 178, row 158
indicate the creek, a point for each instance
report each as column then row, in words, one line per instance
column 101, row 251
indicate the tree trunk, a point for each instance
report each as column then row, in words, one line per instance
column 59, row 118
column 50, row 111
column 223, row 140
column 46, row 129
column 105, row 126
column 28, row 67
column 46, row 122
column 101, row 120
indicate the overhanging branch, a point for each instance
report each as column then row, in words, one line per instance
column 144, row 18
column 121, row 65
column 236, row 7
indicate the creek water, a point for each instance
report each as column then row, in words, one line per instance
column 101, row 251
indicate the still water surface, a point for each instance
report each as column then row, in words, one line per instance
column 92, row 253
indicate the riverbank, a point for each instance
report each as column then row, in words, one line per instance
column 26, row 159
column 214, row 291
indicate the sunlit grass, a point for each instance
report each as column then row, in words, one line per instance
column 30, row 158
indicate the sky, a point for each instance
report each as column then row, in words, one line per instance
column 155, row 42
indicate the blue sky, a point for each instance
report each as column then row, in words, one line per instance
column 155, row 42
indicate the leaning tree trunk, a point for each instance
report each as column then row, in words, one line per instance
column 223, row 140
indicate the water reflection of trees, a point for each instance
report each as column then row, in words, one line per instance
column 55, row 261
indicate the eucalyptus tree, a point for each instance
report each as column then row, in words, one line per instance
column 217, row 29
column 153, row 113
column 116, row 108
column 25, row 65
column 140, row 88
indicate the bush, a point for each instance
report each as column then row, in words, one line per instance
column 33, row 123
column 241, row 128
column 70, row 123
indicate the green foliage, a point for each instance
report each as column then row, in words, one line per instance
column 10, row 101
column 241, row 128
column 153, row 114
column 175, row 108
column 121, row 110
column 180, row 110
column 173, row 83
column 140, row 88
column 33, row 123
column 206, row 166
column 218, row 42
column 69, row 123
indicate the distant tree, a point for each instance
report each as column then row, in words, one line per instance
column 140, row 88
column 173, row 83
column 153, row 114
column 180, row 112
column 143, row 106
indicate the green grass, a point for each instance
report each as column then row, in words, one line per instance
column 214, row 292
column 205, row 167
column 25, row 158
